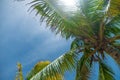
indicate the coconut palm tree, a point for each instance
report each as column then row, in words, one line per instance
column 95, row 27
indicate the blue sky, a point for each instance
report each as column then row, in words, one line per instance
column 24, row 40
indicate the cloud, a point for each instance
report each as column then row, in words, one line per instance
column 23, row 39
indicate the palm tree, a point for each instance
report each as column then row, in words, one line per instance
column 95, row 27
column 19, row 75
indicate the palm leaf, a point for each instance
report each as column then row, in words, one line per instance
column 76, row 43
column 114, row 8
column 94, row 9
column 105, row 73
column 113, row 27
column 83, row 69
column 38, row 67
column 59, row 66
column 72, row 23
column 96, row 12
column 59, row 20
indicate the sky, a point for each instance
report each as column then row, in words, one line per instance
column 24, row 40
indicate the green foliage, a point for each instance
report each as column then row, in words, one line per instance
column 113, row 26
column 38, row 67
column 83, row 68
column 105, row 72
column 77, row 44
column 19, row 75
column 95, row 25
column 115, row 8
column 58, row 66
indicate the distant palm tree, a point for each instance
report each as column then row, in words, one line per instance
column 19, row 75
column 95, row 26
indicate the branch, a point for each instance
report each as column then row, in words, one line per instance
column 114, row 38
column 101, row 30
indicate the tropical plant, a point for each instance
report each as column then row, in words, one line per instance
column 95, row 27
column 38, row 67
column 19, row 75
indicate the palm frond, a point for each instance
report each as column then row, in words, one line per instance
column 114, row 8
column 38, row 67
column 113, row 27
column 76, row 43
column 96, row 12
column 75, row 23
column 59, row 66
column 105, row 73
column 112, row 31
column 51, row 12
column 83, row 69
column 94, row 9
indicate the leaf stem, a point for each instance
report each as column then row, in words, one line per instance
column 114, row 38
